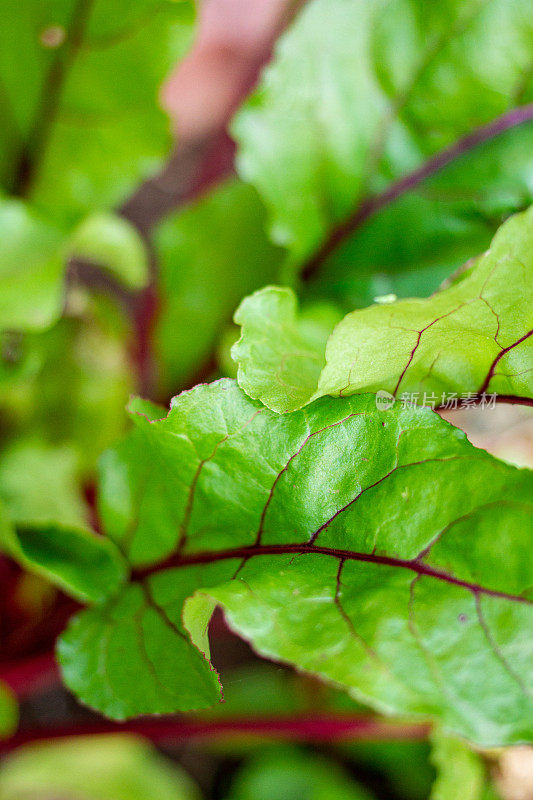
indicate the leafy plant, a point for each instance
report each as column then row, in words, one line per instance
column 377, row 243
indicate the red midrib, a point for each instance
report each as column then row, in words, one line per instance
column 419, row 567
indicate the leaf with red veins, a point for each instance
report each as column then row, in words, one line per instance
column 378, row 550
column 480, row 327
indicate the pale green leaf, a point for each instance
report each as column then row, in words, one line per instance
column 112, row 242
column 96, row 768
column 460, row 771
column 68, row 386
column 281, row 352
column 31, row 268
column 39, row 483
column 473, row 337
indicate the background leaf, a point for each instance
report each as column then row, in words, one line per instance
column 459, row 770
column 31, row 268
column 361, row 95
column 81, row 563
column 111, row 241
column 96, row 768
column 290, row 774
column 8, row 711
column 210, row 255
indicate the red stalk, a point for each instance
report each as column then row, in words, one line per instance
column 322, row 727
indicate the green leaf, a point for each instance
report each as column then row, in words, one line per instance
column 210, row 254
column 113, row 243
column 43, row 519
column 361, row 95
column 31, row 268
column 290, row 774
column 8, row 711
column 86, row 565
column 473, row 337
column 378, row 550
column 69, row 386
column 134, row 656
column 95, row 768
column 460, row 771
column 39, row 483
column 86, row 126
column 418, row 240
column 81, row 128
column 403, row 763
column 281, row 353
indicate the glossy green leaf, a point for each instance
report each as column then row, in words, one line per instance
column 138, row 645
column 378, row 550
column 460, row 771
column 211, row 254
column 31, row 268
column 96, row 768
column 473, row 337
column 361, row 95
column 113, row 243
column 8, row 711
column 291, row 774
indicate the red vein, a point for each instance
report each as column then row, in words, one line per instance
column 288, row 464
column 210, row 556
column 494, row 364
column 497, row 651
column 370, row 206
column 419, row 337
column 480, row 398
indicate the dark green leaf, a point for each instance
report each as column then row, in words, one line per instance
column 79, row 562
